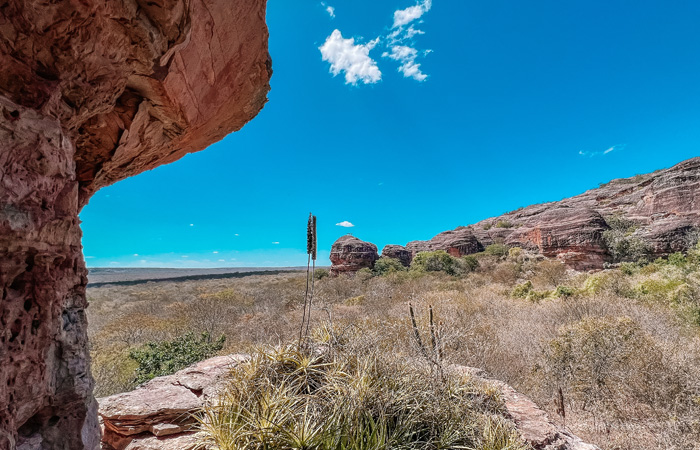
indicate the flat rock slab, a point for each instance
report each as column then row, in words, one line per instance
column 163, row 406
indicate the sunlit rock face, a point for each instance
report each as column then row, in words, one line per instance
column 664, row 208
column 350, row 254
column 92, row 92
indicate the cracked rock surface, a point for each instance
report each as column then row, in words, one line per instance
column 91, row 92
column 163, row 406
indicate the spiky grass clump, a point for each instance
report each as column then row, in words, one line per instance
column 286, row 398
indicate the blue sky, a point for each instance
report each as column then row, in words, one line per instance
column 439, row 114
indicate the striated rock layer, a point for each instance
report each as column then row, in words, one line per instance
column 664, row 207
column 92, row 92
column 350, row 254
column 159, row 414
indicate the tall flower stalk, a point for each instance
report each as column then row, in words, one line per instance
column 311, row 250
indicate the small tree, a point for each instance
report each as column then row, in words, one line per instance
column 167, row 357
column 384, row 266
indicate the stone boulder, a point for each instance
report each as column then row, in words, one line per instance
column 399, row 252
column 350, row 254
column 159, row 413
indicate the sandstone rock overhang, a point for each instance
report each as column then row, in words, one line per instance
column 91, row 92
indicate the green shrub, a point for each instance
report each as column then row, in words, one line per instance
column 564, row 291
column 660, row 289
column 525, row 290
column 504, row 224
column 629, row 268
column 471, row 262
column 515, row 254
column 499, row 250
column 522, row 290
column 436, row 261
column 385, row 266
column 167, row 357
column 320, row 274
column 620, row 241
column 677, row 259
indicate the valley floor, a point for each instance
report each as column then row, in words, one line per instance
column 613, row 355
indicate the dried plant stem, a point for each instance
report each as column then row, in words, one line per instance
column 416, row 334
column 306, row 296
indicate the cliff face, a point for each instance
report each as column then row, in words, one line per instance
column 661, row 211
column 92, row 92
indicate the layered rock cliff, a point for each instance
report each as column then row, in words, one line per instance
column 659, row 212
column 92, row 92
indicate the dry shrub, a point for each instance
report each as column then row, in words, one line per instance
column 550, row 273
column 652, row 397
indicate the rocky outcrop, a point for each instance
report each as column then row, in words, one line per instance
column 92, row 92
column 457, row 243
column 349, row 254
column 398, row 252
column 664, row 207
column 159, row 413
column 533, row 424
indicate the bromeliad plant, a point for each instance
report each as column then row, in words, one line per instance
column 288, row 398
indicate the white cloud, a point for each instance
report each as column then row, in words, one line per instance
column 405, row 16
column 353, row 59
column 345, row 224
column 329, row 9
column 276, row 242
column 222, row 260
column 236, row 234
column 89, row 257
column 411, row 32
column 603, row 152
column 215, row 251
column 136, row 254
column 191, row 224
column 407, row 57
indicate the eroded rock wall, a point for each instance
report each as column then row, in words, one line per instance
column 664, row 208
column 92, row 92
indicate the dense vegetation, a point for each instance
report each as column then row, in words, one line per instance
column 621, row 347
column 343, row 394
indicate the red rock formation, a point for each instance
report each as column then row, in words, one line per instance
column 158, row 414
column 398, row 252
column 92, row 92
column 664, row 206
column 349, row 254
column 457, row 243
